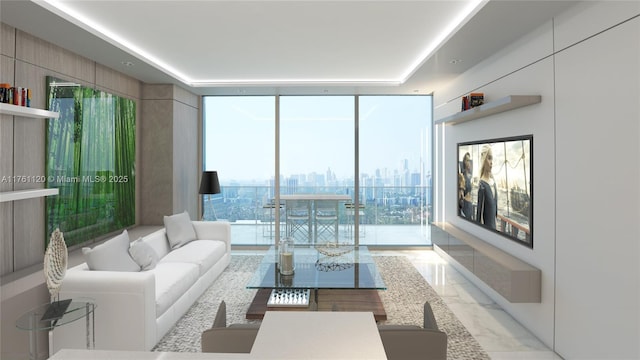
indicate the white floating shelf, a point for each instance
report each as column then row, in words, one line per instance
column 494, row 107
column 26, row 194
column 16, row 110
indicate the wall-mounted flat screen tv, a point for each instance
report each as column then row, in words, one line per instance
column 495, row 186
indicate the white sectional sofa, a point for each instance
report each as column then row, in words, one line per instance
column 143, row 288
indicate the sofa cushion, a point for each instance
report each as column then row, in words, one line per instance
column 112, row 255
column 179, row 229
column 172, row 281
column 143, row 254
column 203, row 253
column 158, row 241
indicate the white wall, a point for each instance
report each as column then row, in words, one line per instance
column 597, row 178
column 534, row 79
column 586, row 212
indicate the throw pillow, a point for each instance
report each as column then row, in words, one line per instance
column 179, row 229
column 143, row 254
column 112, row 255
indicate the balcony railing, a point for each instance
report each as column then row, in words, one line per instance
column 388, row 215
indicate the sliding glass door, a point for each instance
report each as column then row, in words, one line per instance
column 239, row 143
column 316, row 166
column 395, row 169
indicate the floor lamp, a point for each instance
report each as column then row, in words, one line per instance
column 210, row 185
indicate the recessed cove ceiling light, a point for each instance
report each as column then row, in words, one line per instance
column 67, row 12
column 469, row 11
column 76, row 13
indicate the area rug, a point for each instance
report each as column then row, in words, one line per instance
column 403, row 301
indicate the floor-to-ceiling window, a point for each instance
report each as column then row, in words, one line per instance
column 239, row 143
column 317, row 166
column 323, row 141
column 395, row 169
column 316, row 143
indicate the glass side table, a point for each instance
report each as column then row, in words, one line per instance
column 78, row 308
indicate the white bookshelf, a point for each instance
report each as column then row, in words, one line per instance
column 26, row 194
column 10, row 109
column 493, row 107
column 24, row 111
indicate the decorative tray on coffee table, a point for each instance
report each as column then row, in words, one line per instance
column 289, row 298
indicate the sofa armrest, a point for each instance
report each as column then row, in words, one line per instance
column 125, row 314
column 214, row 230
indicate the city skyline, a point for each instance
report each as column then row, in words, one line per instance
column 317, row 178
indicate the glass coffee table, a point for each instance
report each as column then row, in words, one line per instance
column 324, row 280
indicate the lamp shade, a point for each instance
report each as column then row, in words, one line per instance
column 209, row 183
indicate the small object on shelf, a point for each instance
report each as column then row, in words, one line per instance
column 476, row 99
column 9, row 97
column 465, row 104
column 472, row 100
column 4, row 92
column 15, row 95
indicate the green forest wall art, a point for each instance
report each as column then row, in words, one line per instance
column 90, row 158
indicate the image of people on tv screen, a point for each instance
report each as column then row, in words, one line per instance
column 465, row 185
column 487, row 209
column 494, row 187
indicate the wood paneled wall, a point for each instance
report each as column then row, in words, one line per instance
column 169, row 152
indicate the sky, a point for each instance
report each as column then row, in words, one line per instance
column 316, row 133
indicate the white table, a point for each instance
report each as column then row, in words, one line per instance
column 318, row 335
column 282, row 335
column 76, row 354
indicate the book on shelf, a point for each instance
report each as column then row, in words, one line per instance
column 476, row 99
column 472, row 100
column 465, row 103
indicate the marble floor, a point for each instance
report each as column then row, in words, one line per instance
column 496, row 331
column 499, row 334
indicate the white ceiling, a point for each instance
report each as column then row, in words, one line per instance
column 267, row 47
